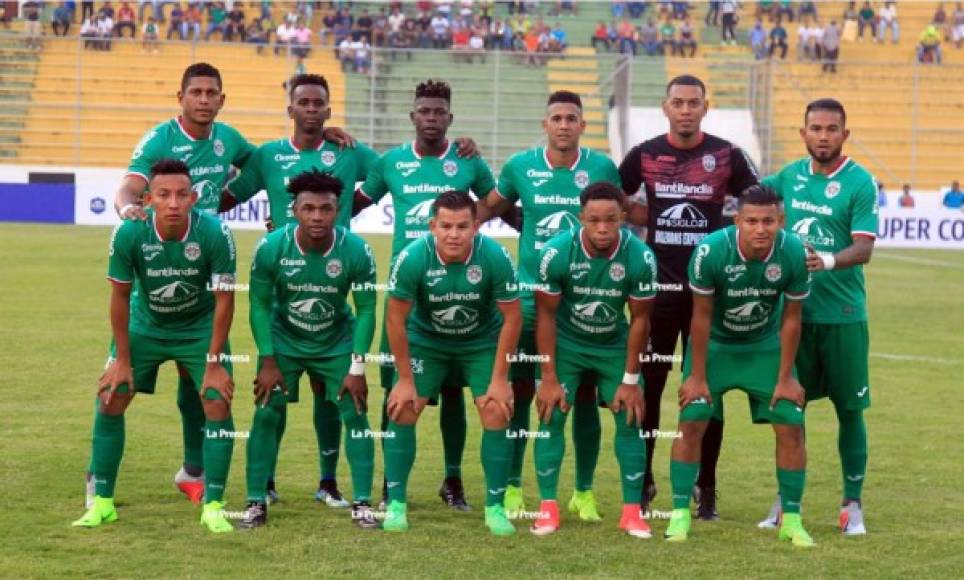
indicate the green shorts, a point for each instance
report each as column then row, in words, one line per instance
column 330, row 371
column 149, row 353
column 832, row 362
column 572, row 367
column 454, row 380
column 433, row 368
column 753, row 371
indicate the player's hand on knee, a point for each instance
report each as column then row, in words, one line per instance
column 550, row 395
column 500, row 395
column 269, row 377
column 216, row 377
column 629, row 397
column 403, row 394
column 118, row 373
column 789, row 389
column 357, row 388
column 694, row 389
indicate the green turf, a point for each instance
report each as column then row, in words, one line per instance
column 55, row 331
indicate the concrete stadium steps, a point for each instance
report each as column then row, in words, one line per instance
column 18, row 67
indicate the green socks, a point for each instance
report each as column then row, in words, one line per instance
column 496, row 456
column 328, row 432
column 107, row 450
column 360, row 449
column 682, row 476
column 192, row 422
column 262, row 447
column 218, row 447
column 791, row 482
column 454, row 428
column 631, row 455
column 549, row 452
column 586, row 436
column 852, row 444
column 280, row 433
column 399, row 458
column 519, row 422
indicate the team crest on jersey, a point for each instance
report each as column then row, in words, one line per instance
column 709, row 163
column 328, row 158
column 617, row 271
column 474, row 274
column 333, row 269
column 218, row 147
column 192, row 251
column 832, row 189
column 773, row 272
column 450, row 168
column 581, row 178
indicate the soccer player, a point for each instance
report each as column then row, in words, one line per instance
column 416, row 173
column 172, row 298
column 831, row 204
column 587, row 276
column 749, row 281
column 300, row 279
column 686, row 175
column 547, row 181
column 452, row 306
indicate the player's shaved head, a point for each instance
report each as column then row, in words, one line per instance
column 314, row 181
column 200, row 69
column 827, row 104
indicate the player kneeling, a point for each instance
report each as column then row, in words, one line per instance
column 300, row 279
column 586, row 277
column 172, row 298
column 453, row 307
column 744, row 335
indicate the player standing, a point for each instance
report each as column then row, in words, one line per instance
column 300, row 279
column 749, row 281
column 547, row 181
column 831, row 204
column 686, row 176
column 172, row 277
column 416, row 173
column 453, row 287
column 587, row 276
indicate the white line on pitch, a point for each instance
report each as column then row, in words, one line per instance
column 925, row 261
column 910, row 357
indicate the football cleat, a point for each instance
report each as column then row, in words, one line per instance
column 852, row 518
column 453, row 494
column 271, row 493
column 329, row 494
column 192, row 487
column 212, row 518
column 792, row 530
column 255, row 516
column 632, row 522
column 773, row 518
column 706, row 503
column 679, row 525
column 548, row 520
column 584, row 503
column 513, row 502
column 362, row 516
column 101, row 512
column 497, row 522
column 396, row 518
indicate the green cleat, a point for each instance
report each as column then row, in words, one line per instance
column 101, row 512
column 792, row 530
column 679, row 525
column 584, row 503
column 513, row 502
column 212, row 517
column 396, row 519
column 497, row 521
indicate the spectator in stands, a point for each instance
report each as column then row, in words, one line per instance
column 881, row 195
column 87, row 11
column 328, row 22
column 60, row 21
column 234, row 25
column 803, row 42
column 618, row 9
column 256, row 34
column 192, row 22
column 150, row 36
column 284, row 36
column 728, row 21
column 686, row 39
column 778, row 39
column 680, row 10
column 649, row 38
column 340, row 31
column 600, row 36
column 766, row 8
column 866, row 19
column 560, row 37
column 440, row 31
column 957, row 33
column 346, row 54
column 107, row 10
column 380, row 28
column 404, row 39
column 940, row 20
column 301, row 44
column 906, row 199
column 476, row 44
column 364, row 25
column 808, row 10
column 627, row 37
column 216, row 17
column 32, row 26
column 831, row 47
column 362, row 50
column 125, row 20
column 567, row 6
column 758, row 40
column 929, row 49
column 712, row 13
column 531, row 44
column 460, row 40
column 887, row 20
column 814, row 46
column 177, row 22
column 850, row 15
column 954, row 198
column 635, row 9
column 88, row 31
column 784, row 10
column 667, row 37
column 396, row 20
column 105, row 31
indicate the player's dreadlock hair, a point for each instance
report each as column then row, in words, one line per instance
column 434, row 89
column 200, row 69
column 686, row 81
column 832, row 105
column 169, row 166
column 759, row 195
column 601, row 190
column 316, row 182
column 307, row 79
column 454, row 201
column 565, row 97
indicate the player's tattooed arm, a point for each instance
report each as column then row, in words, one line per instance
column 788, row 388
column 856, row 254
column 120, row 371
column 492, row 205
column 695, row 386
column 550, row 393
column 215, row 375
column 629, row 395
column 128, row 200
column 403, row 392
column 500, row 393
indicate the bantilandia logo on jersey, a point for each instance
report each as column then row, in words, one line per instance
column 556, row 222
column 173, row 292
column 420, row 212
column 312, row 309
column 455, row 316
column 682, row 215
column 596, row 312
column 810, row 231
column 751, row 310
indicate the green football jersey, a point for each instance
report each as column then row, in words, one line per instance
column 594, row 290
column 210, row 159
column 172, row 297
column 309, row 292
column 550, row 201
column 454, row 305
column 748, row 294
column 273, row 165
column 415, row 181
column 826, row 211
